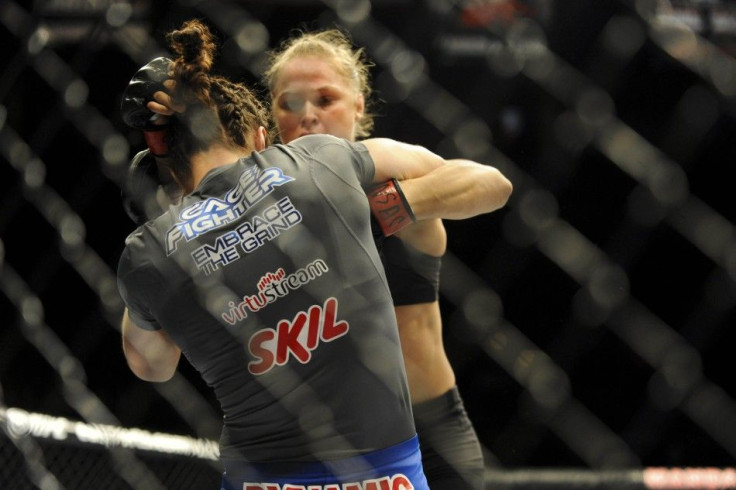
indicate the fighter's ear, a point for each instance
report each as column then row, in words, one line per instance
column 359, row 107
column 261, row 139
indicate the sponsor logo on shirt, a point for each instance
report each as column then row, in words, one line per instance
column 201, row 217
column 247, row 236
column 273, row 286
column 295, row 338
column 395, row 482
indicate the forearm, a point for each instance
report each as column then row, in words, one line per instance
column 457, row 190
column 151, row 355
column 394, row 159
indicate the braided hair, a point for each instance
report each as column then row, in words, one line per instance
column 218, row 111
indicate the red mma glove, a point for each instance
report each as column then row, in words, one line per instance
column 390, row 207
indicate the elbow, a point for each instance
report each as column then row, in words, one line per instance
column 506, row 189
column 157, row 377
column 156, row 366
column 148, row 373
column 498, row 191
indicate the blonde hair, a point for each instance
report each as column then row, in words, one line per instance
column 336, row 47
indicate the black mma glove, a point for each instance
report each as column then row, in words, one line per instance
column 148, row 80
column 141, row 187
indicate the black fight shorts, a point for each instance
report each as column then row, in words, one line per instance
column 451, row 453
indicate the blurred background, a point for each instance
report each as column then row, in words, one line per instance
column 591, row 322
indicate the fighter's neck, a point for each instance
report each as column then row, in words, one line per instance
column 214, row 157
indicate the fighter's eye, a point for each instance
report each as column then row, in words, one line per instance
column 325, row 100
column 292, row 104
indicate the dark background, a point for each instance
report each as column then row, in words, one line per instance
column 590, row 322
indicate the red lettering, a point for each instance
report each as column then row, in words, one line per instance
column 400, row 482
column 330, row 329
column 298, row 337
column 315, row 312
column 265, row 356
column 382, row 484
column 396, row 482
column 288, row 340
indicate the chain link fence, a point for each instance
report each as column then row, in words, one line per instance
column 590, row 323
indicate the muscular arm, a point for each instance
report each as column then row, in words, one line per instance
column 458, row 189
column 434, row 187
column 151, row 355
column 439, row 188
column 396, row 160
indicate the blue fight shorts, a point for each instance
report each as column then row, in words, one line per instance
column 397, row 467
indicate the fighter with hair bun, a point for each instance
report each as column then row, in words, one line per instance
column 312, row 385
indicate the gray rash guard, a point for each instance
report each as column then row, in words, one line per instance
column 268, row 279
